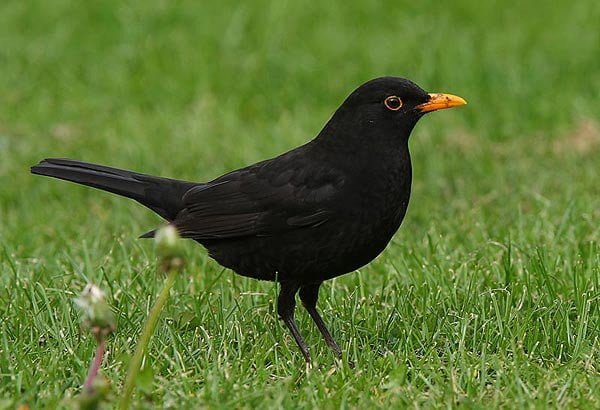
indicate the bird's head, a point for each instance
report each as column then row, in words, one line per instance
column 386, row 110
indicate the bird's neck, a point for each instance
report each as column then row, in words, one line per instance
column 369, row 164
column 364, row 147
column 356, row 136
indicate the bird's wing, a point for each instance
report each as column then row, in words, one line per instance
column 262, row 200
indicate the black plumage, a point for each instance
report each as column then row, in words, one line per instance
column 316, row 212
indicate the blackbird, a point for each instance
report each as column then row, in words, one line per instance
column 316, row 212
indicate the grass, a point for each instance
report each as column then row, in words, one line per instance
column 487, row 296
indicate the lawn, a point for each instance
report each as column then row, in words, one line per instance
column 488, row 296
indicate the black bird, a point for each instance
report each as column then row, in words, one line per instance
column 316, row 212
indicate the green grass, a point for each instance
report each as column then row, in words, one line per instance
column 487, row 296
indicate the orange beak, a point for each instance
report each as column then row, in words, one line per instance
column 440, row 102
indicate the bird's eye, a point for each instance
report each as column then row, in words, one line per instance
column 393, row 103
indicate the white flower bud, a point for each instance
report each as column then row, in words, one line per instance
column 96, row 314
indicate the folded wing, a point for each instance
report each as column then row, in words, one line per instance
column 266, row 199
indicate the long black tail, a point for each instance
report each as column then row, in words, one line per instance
column 162, row 195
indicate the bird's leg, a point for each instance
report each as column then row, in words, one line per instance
column 286, row 303
column 309, row 295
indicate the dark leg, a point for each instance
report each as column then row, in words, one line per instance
column 286, row 303
column 309, row 295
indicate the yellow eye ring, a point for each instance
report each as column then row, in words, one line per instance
column 393, row 103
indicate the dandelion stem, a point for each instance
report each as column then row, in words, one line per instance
column 95, row 365
column 136, row 360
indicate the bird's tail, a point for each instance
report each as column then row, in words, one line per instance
column 162, row 195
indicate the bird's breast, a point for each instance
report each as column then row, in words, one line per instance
column 383, row 189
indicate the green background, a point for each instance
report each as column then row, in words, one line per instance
column 487, row 296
